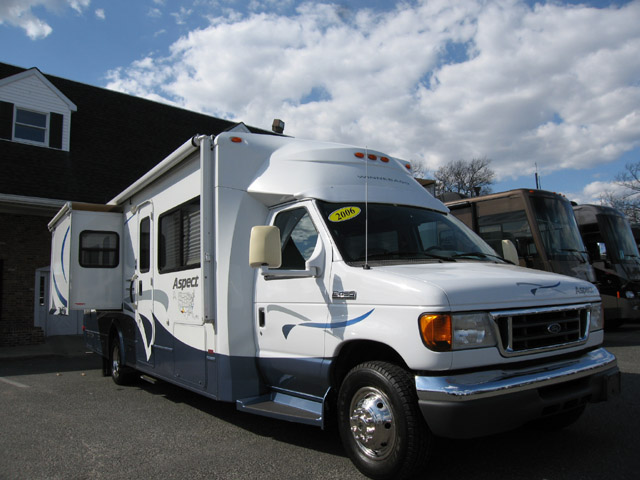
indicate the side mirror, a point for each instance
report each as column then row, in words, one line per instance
column 509, row 252
column 264, row 247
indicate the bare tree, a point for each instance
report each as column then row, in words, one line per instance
column 471, row 178
column 627, row 198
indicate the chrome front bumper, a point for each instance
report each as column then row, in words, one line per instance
column 483, row 402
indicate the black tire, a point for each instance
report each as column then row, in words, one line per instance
column 379, row 421
column 120, row 374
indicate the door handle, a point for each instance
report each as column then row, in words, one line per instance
column 261, row 317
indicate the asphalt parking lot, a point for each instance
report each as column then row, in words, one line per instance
column 61, row 419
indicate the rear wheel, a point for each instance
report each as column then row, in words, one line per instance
column 120, row 374
column 380, row 424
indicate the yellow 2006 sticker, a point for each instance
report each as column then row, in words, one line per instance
column 345, row 213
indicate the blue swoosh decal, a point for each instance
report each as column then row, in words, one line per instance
column 538, row 286
column 58, row 292
column 64, row 241
column 286, row 329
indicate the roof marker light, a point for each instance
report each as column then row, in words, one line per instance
column 236, row 139
column 359, row 154
column 384, row 159
column 371, row 156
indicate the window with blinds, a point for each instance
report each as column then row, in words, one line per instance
column 179, row 239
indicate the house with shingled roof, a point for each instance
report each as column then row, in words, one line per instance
column 63, row 141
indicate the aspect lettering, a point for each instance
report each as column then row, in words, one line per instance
column 182, row 283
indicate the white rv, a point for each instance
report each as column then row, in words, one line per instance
column 299, row 278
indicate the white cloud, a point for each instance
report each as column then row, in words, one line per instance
column 100, row 14
column 18, row 13
column 553, row 85
column 594, row 192
column 182, row 15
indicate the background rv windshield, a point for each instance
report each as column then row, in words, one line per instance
column 558, row 228
column 401, row 234
column 622, row 246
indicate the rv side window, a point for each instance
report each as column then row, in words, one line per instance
column 99, row 249
column 145, row 245
column 298, row 237
column 179, row 240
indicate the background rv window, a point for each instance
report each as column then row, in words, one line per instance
column 99, row 249
column 179, row 239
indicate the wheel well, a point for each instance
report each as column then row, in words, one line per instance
column 356, row 352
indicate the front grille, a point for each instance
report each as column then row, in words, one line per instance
column 524, row 331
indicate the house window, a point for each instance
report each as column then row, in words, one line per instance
column 30, row 126
column 179, row 238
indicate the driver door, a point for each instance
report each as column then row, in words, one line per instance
column 291, row 308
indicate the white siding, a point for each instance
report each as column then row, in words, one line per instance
column 31, row 93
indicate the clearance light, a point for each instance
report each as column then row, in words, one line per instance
column 359, row 154
column 385, row 159
column 435, row 330
column 236, row 139
column 372, row 157
column 407, row 166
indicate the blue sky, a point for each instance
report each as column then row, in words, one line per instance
column 552, row 84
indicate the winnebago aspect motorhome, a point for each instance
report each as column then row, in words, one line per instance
column 296, row 277
column 614, row 255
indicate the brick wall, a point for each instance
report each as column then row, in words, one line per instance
column 25, row 245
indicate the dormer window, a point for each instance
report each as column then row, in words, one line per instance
column 30, row 126
column 34, row 111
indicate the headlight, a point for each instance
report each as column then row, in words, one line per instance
column 472, row 330
column 460, row 331
column 629, row 294
column 596, row 320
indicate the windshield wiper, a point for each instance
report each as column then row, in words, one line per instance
column 433, row 255
column 405, row 256
column 481, row 255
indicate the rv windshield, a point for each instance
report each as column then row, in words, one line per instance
column 622, row 246
column 558, row 229
column 401, row 234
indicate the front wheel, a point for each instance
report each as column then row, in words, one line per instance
column 380, row 424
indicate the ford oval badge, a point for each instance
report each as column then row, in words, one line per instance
column 554, row 328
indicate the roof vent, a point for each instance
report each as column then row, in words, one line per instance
column 277, row 126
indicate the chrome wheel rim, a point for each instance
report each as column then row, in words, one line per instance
column 115, row 362
column 372, row 424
